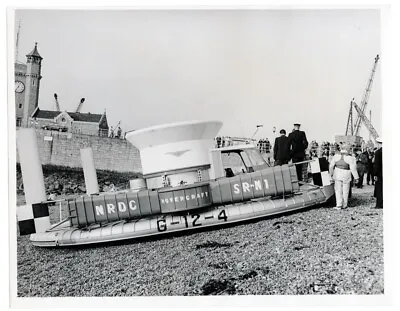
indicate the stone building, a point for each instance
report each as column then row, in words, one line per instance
column 73, row 122
column 28, row 114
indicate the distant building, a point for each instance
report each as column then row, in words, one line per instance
column 73, row 122
column 28, row 114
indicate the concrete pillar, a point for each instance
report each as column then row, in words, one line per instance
column 31, row 166
column 89, row 171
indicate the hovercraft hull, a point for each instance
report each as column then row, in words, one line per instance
column 170, row 223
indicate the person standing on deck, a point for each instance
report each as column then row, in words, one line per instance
column 282, row 149
column 298, row 145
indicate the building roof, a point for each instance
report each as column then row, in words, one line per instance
column 76, row 116
column 85, row 117
column 35, row 52
column 45, row 114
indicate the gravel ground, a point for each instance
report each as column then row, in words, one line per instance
column 317, row 251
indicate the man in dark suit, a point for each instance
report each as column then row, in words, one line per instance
column 298, row 145
column 362, row 166
column 378, row 174
column 282, row 149
column 370, row 170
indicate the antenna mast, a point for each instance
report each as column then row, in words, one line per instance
column 17, row 41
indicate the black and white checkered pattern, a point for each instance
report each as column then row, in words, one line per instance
column 320, row 172
column 33, row 218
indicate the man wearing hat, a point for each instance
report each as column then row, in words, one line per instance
column 378, row 174
column 282, row 149
column 298, row 145
column 341, row 168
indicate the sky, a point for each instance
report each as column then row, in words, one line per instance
column 242, row 67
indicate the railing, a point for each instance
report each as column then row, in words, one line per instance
column 263, row 145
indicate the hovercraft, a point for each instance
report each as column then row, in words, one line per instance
column 187, row 184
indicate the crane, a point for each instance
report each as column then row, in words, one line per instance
column 366, row 122
column 364, row 102
column 56, row 100
column 80, row 105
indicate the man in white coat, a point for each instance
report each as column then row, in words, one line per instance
column 341, row 168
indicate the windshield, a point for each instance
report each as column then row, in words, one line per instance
column 255, row 157
column 242, row 161
column 246, row 159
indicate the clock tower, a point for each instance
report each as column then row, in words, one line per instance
column 27, row 83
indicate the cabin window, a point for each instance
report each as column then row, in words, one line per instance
column 19, row 121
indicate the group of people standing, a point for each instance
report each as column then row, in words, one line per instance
column 224, row 141
column 117, row 133
column 291, row 147
column 264, row 145
column 344, row 168
column 365, row 165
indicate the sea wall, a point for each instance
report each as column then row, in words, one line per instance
column 63, row 149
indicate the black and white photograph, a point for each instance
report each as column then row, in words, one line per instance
column 200, row 152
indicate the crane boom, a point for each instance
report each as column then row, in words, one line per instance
column 366, row 122
column 56, row 100
column 350, row 127
column 366, row 97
